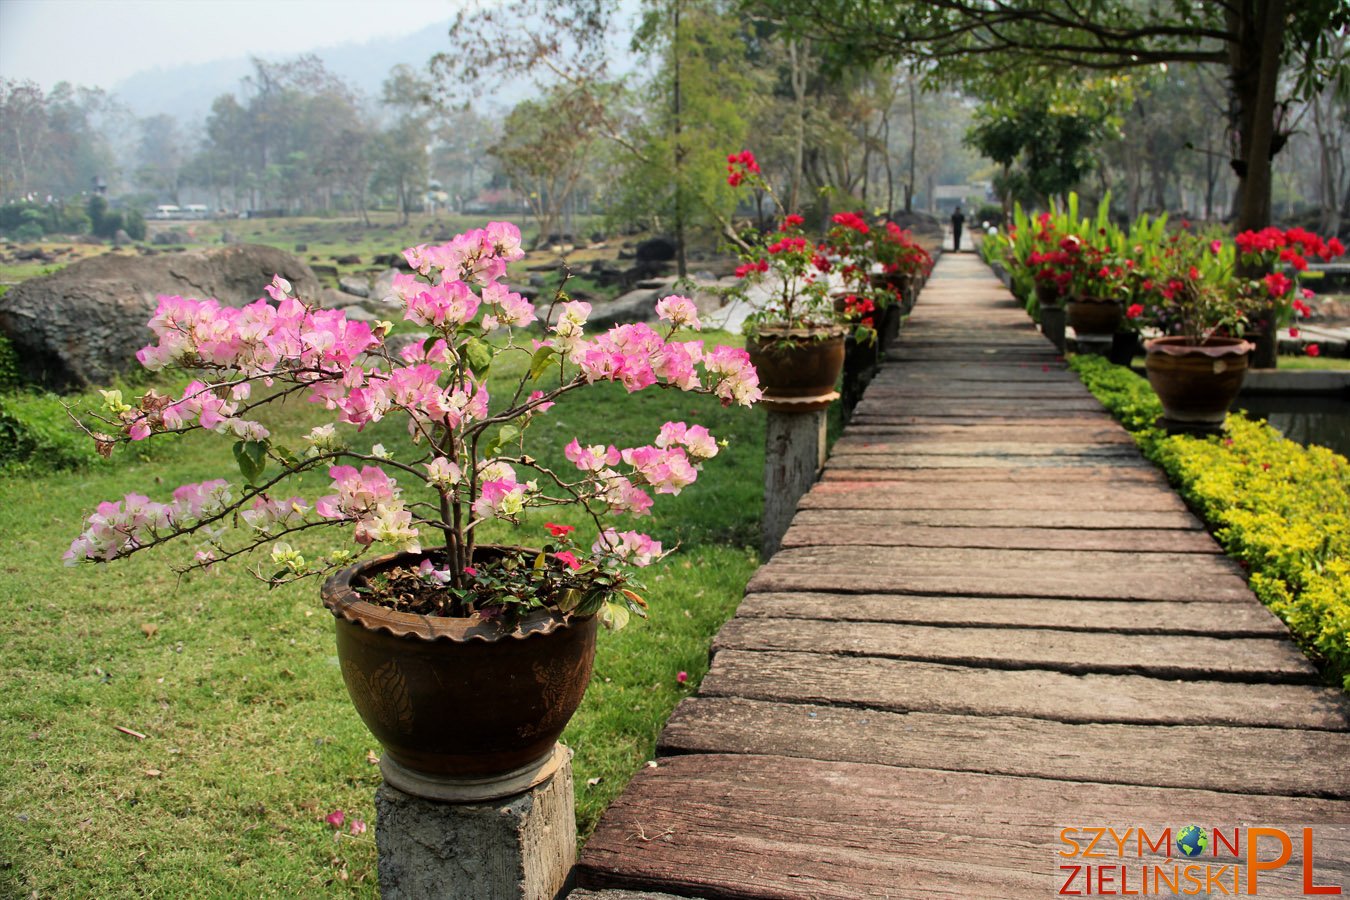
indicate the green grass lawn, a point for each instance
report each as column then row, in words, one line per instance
column 249, row 738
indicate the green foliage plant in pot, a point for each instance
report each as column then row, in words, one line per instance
column 795, row 336
column 464, row 659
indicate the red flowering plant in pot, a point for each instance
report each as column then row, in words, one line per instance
column 465, row 660
column 1098, row 282
column 795, row 335
column 1277, row 259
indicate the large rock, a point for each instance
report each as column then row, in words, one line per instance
column 84, row 324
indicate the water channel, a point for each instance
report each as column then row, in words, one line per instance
column 1307, row 419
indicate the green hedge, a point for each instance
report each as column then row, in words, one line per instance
column 1282, row 508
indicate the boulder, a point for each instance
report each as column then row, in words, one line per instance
column 83, row 325
column 657, row 249
column 355, row 285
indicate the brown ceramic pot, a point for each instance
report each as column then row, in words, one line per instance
column 1197, row 383
column 458, row 698
column 798, row 368
column 1048, row 295
column 1091, row 316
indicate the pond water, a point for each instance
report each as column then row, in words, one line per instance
column 1308, row 419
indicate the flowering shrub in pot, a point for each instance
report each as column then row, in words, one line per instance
column 464, row 464
column 795, row 336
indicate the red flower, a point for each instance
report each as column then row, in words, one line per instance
column 335, row 818
column 1313, row 350
column 1335, row 247
column 1135, row 311
column 1277, row 284
column 792, row 220
column 569, row 559
column 1293, row 332
column 559, row 530
column 850, row 220
column 471, row 571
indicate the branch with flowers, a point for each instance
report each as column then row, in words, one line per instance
column 464, row 461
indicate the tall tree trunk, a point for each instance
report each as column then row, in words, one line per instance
column 1254, row 72
column 681, row 262
column 913, row 144
column 797, row 71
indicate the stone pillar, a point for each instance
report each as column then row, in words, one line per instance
column 794, row 454
column 519, row 847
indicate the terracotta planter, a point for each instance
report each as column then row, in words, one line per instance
column 1197, row 383
column 464, row 709
column 1094, row 317
column 798, row 368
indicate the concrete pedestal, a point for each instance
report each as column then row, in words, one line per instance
column 794, row 453
column 521, row 847
column 1052, row 325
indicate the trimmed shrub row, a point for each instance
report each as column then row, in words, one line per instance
column 1281, row 508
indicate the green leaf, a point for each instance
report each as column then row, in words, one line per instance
column 507, row 434
column 539, row 363
column 614, row 616
column 286, row 456
column 429, row 343
column 252, row 459
column 479, row 355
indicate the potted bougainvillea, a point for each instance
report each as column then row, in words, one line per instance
column 795, row 335
column 464, row 659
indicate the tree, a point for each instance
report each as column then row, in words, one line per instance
column 1254, row 39
column 160, row 156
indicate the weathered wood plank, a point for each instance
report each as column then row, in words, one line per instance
column 1026, row 517
column 1128, row 562
column 1206, row 619
column 907, row 686
column 900, row 451
column 1063, row 583
column 842, row 531
column 1066, row 460
column 777, row 827
column 939, row 407
column 1279, row 761
column 1158, row 656
column 1009, row 476
column 932, row 494
column 902, row 435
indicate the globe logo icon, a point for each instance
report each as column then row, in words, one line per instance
column 1192, row 841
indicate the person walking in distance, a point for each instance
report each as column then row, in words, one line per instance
column 957, row 221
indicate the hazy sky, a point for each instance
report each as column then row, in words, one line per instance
column 97, row 43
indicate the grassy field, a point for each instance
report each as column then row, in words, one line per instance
column 249, row 740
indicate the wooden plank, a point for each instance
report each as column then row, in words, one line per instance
column 1206, row 619
column 777, row 827
column 1159, row 656
column 1038, row 474
column 842, row 531
column 1030, row 408
column 1026, row 517
column 1279, row 761
column 900, row 451
column 926, row 494
column 1064, row 583
column 944, row 559
column 907, row 686
column 911, row 435
column 923, row 461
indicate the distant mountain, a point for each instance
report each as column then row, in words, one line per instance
column 187, row 91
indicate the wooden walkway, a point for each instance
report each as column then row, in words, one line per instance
column 992, row 619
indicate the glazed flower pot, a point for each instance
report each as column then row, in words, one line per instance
column 1094, row 317
column 798, row 367
column 464, row 708
column 1197, row 383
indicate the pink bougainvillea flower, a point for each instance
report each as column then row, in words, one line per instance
column 357, row 826
column 569, row 559
column 471, row 571
column 335, row 818
column 682, row 677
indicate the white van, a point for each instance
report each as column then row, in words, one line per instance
column 167, row 211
